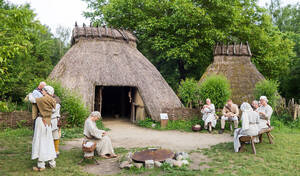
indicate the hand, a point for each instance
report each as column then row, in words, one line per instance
column 104, row 134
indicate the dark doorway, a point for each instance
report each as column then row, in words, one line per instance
column 113, row 101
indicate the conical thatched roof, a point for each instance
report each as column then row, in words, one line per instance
column 234, row 62
column 102, row 56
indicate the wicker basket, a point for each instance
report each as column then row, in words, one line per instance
column 88, row 149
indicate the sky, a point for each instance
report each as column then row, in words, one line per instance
column 54, row 13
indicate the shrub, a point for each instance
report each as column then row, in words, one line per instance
column 269, row 89
column 71, row 103
column 217, row 89
column 189, row 92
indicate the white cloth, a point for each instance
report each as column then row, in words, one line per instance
column 103, row 143
column 37, row 94
column 209, row 115
column 232, row 118
column 54, row 120
column 268, row 113
column 250, row 120
column 42, row 143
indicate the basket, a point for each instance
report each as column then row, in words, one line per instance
column 88, row 149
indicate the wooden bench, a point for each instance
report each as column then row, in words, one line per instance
column 245, row 139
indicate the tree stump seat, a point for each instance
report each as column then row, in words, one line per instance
column 250, row 139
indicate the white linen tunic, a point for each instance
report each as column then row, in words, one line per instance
column 42, row 143
column 92, row 133
column 268, row 113
column 209, row 115
column 54, row 120
column 250, row 127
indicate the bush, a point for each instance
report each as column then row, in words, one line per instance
column 217, row 89
column 269, row 89
column 71, row 103
column 189, row 92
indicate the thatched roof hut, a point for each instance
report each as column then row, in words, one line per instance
column 112, row 76
column 234, row 62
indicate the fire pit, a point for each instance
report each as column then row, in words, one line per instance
column 152, row 154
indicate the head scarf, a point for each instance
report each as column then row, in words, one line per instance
column 49, row 90
column 247, row 112
column 264, row 98
column 95, row 114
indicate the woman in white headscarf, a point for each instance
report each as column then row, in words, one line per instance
column 265, row 112
column 104, row 147
column 208, row 116
column 250, row 127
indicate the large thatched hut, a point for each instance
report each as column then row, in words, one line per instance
column 112, row 76
column 234, row 62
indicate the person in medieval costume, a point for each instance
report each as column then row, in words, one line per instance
column 93, row 134
column 265, row 112
column 37, row 93
column 55, row 124
column 208, row 111
column 230, row 112
column 42, row 143
column 255, row 105
column 250, row 120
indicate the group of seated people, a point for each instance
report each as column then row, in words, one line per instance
column 230, row 112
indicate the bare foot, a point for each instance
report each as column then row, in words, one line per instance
column 113, row 156
column 104, row 156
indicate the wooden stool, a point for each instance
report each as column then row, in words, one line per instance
column 88, row 152
column 245, row 139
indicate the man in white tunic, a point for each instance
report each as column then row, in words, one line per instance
column 265, row 112
column 42, row 143
column 250, row 127
column 208, row 116
column 92, row 133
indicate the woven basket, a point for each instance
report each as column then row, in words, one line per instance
column 88, row 149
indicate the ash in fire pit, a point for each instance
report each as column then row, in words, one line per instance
column 152, row 154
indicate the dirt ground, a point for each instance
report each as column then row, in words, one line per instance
column 127, row 135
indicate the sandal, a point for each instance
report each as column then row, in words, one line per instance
column 113, row 156
column 104, row 156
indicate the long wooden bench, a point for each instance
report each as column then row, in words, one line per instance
column 245, row 139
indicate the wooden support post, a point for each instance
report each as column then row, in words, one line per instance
column 100, row 99
column 253, row 145
column 270, row 137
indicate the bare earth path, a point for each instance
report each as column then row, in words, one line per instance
column 127, row 135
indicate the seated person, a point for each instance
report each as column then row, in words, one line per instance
column 92, row 133
column 208, row 117
column 230, row 112
column 255, row 105
column 265, row 112
column 250, row 127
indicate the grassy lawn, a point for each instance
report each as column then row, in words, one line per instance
column 281, row 158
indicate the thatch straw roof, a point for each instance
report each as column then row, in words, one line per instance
column 102, row 56
column 234, row 62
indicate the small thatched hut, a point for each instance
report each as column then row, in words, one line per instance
column 112, row 76
column 234, row 62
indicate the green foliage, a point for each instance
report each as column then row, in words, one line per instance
column 27, row 50
column 181, row 125
column 268, row 88
column 178, row 36
column 217, row 89
column 188, row 92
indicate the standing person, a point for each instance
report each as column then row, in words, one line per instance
column 250, row 127
column 265, row 112
column 37, row 93
column 255, row 105
column 230, row 112
column 42, row 143
column 92, row 133
column 208, row 116
column 55, row 124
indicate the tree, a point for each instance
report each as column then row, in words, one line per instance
column 26, row 50
column 178, row 36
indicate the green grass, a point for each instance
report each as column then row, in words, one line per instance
column 280, row 158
